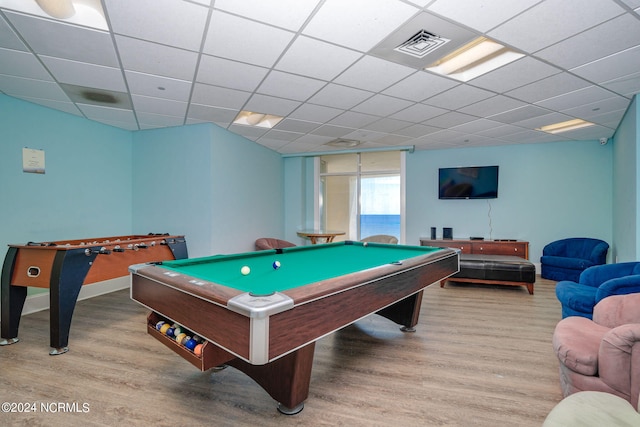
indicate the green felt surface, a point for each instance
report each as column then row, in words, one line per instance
column 299, row 265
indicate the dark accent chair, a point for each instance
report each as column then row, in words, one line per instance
column 565, row 259
column 595, row 284
column 264, row 243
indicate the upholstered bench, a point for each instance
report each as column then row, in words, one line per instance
column 495, row 270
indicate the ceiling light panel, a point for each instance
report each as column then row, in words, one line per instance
column 474, row 59
column 87, row 13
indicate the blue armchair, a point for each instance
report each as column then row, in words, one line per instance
column 595, row 284
column 565, row 259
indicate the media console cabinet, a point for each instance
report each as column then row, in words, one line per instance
column 488, row 247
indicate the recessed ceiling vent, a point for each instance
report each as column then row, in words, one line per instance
column 422, row 44
column 343, row 143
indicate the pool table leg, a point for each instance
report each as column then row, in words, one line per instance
column 285, row 379
column 405, row 312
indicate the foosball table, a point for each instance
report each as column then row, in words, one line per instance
column 64, row 267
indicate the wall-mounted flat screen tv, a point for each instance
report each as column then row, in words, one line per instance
column 476, row 182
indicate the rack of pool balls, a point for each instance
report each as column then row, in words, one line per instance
column 181, row 336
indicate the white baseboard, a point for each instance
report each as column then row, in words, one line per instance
column 40, row 302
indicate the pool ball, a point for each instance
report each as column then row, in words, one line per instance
column 276, row 265
column 245, row 270
column 159, row 324
column 169, row 332
column 177, row 330
column 163, row 328
column 365, row 244
column 198, row 349
column 181, row 338
column 191, row 344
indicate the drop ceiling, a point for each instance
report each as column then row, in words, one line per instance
column 325, row 66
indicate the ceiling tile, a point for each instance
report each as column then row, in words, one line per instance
column 21, row 87
column 311, row 112
column 373, row 74
column 293, row 125
column 548, row 88
column 590, row 45
column 524, row 31
column 458, row 97
column 353, row 119
column 358, row 24
column 290, row 86
column 382, row 105
column 332, row 131
column 338, row 96
column 230, row 74
column 156, row 59
column 22, row 64
column 83, row 74
column 519, row 73
column 418, row 113
column 417, row 131
column 289, row 14
column 65, row 106
column 212, row 114
column 158, row 87
column 449, row 120
column 480, row 15
column 172, row 23
column 420, row 86
column 8, row 38
column 387, row 125
column 584, row 96
column 626, row 86
column 244, row 40
column 66, row 41
column 595, row 109
column 611, row 67
column 522, row 113
column 308, row 57
column 271, row 105
column 107, row 113
column 167, row 107
column 490, row 106
column 152, row 121
column 219, row 96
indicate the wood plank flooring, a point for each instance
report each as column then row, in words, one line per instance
column 481, row 356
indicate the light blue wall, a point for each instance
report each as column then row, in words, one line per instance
column 86, row 190
column 546, row 192
column 625, row 187
column 219, row 189
column 299, row 197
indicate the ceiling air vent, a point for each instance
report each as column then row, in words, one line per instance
column 421, row 44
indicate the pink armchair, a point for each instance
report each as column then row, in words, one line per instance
column 602, row 354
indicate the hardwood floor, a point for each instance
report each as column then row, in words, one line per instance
column 481, row 356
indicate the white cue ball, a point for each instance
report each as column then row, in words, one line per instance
column 245, row 270
column 365, row 244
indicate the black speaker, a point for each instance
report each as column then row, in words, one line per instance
column 433, row 233
column 447, row 233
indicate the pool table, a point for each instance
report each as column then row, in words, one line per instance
column 265, row 323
